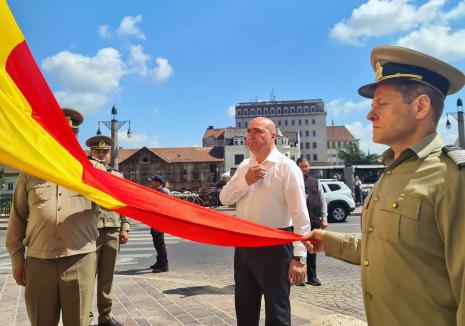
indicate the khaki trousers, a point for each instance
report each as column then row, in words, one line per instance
column 107, row 252
column 64, row 284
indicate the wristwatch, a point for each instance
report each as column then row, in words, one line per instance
column 300, row 259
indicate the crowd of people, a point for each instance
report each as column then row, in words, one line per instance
column 411, row 249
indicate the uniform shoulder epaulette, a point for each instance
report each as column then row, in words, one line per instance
column 456, row 154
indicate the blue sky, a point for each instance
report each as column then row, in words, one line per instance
column 174, row 67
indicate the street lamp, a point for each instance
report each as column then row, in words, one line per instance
column 114, row 125
column 459, row 116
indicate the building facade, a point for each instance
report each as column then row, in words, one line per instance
column 11, row 176
column 306, row 117
column 338, row 137
column 233, row 140
column 183, row 168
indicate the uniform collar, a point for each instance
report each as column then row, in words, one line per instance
column 422, row 149
column 273, row 157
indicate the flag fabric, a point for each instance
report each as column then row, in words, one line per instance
column 35, row 137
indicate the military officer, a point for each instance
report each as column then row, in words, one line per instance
column 58, row 227
column 412, row 248
column 113, row 230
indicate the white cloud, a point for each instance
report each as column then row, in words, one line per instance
column 85, row 81
column 232, row 111
column 438, row 41
column 128, row 28
column 104, row 31
column 162, row 71
column 365, row 134
column 378, row 18
column 138, row 140
column 137, row 60
column 341, row 106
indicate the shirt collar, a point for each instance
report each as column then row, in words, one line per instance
column 273, row 157
column 422, row 149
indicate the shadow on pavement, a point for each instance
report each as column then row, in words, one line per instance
column 199, row 290
column 139, row 271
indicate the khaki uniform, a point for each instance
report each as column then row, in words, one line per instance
column 412, row 248
column 109, row 225
column 58, row 228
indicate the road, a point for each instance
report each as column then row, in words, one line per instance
column 340, row 290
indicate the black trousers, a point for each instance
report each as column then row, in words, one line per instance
column 159, row 244
column 262, row 271
column 311, row 258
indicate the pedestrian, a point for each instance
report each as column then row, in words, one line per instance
column 267, row 189
column 412, row 248
column 58, row 228
column 161, row 264
column 113, row 231
column 357, row 191
column 318, row 212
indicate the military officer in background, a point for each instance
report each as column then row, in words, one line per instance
column 412, row 248
column 113, row 230
column 58, row 227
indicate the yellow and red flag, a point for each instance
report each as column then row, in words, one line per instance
column 36, row 138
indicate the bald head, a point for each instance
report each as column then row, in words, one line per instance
column 261, row 136
column 266, row 123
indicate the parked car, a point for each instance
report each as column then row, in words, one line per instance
column 339, row 200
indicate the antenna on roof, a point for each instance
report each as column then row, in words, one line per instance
column 272, row 95
column 332, row 122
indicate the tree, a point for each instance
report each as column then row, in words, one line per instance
column 352, row 155
column 2, row 177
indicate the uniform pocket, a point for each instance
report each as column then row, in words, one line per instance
column 40, row 193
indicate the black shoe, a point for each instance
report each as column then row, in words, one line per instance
column 160, row 269
column 111, row 322
column 153, row 266
column 314, row 281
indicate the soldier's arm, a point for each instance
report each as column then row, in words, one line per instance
column 17, row 223
column 450, row 216
column 343, row 246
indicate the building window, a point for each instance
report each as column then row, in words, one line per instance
column 132, row 175
column 306, row 109
column 313, row 121
column 285, row 122
column 306, row 133
column 195, row 175
column 183, row 175
column 235, row 142
column 252, row 111
column 314, row 144
column 299, row 109
column 313, row 108
column 300, row 133
column 285, row 110
column 292, row 109
column 245, row 124
column 10, row 186
column 238, row 125
column 338, row 144
column 314, row 133
column 306, row 121
column 315, row 157
column 259, row 111
column 279, row 122
column 238, row 112
column 265, row 111
column 327, row 144
column 308, row 157
column 293, row 122
column 333, row 145
column 246, row 112
column 238, row 158
column 271, row 111
column 307, row 145
column 300, row 122
column 301, row 145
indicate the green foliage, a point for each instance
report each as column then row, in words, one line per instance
column 352, row 155
column 2, row 178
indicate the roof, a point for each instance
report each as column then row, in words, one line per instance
column 8, row 169
column 338, row 133
column 230, row 133
column 291, row 135
column 212, row 132
column 182, row 154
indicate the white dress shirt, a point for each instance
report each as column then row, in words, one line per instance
column 277, row 201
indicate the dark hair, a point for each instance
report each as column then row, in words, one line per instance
column 300, row 160
column 410, row 90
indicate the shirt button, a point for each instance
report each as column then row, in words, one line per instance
column 376, row 199
column 395, row 205
column 59, row 209
column 365, row 262
column 368, row 296
column 388, row 172
column 60, row 194
column 371, row 229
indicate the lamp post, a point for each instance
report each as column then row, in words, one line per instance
column 459, row 116
column 114, row 125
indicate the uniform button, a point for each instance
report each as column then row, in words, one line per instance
column 376, row 199
column 368, row 296
column 60, row 194
column 59, row 209
column 395, row 205
column 388, row 172
column 371, row 229
column 365, row 262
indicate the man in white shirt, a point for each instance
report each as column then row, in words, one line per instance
column 267, row 189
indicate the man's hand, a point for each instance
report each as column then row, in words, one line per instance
column 317, row 235
column 297, row 272
column 256, row 172
column 123, row 237
column 323, row 225
column 19, row 274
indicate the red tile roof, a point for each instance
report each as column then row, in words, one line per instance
column 212, row 132
column 180, row 154
column 338, row 133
